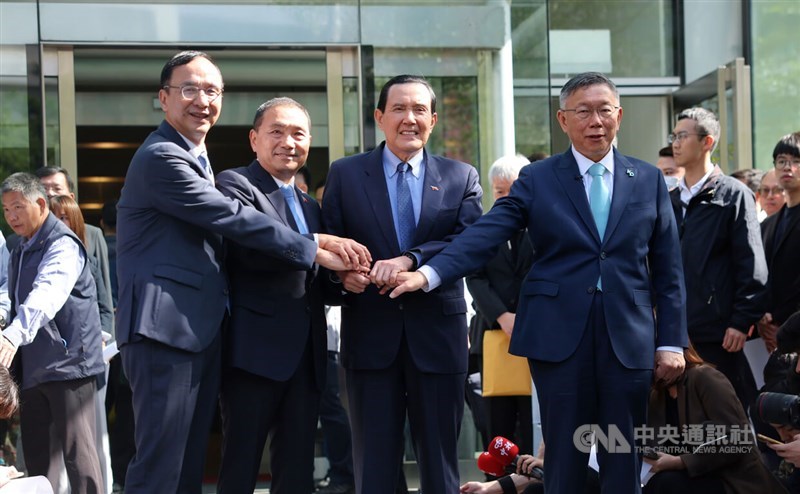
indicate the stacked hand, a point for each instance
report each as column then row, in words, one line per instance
column 387, row 274
column 342, row 254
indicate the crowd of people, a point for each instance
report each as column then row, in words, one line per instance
column 628, row 291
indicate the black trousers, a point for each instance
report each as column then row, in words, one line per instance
column 70, row 407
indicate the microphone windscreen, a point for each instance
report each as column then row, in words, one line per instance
column 503, row 450
column 489, row 464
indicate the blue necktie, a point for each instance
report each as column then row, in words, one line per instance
column 599, row 201
column 288, row 195
column 405, row 209
column 203, row 159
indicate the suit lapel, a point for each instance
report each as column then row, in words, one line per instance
column 569, row 176
column 432, row 195
column 267, row 185
column 310, row 211
column 378, row 196
column 625, row 177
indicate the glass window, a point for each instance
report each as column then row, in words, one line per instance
column 633, row 38
column 775, row 76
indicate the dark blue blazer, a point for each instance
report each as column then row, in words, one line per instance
column 275, row 307
column 639, row 260
column 170, row 224
column 356, row 205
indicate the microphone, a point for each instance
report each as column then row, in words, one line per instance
column 490, row 465
column 507, row 454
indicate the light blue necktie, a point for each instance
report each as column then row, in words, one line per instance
column 405, row 209
column 203, row 159
column 288, row 195
column 599, row 201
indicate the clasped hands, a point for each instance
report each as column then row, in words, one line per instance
column 342, row 254
column 387, row 274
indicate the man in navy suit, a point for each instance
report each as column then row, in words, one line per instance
column 275, row 347
column 606, row 254
column 173, row 290
column 405, row 356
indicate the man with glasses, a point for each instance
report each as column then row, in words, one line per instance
column 723, row 259
column 173, row 290
column 782, row 242
column 606, row 256
column 770, row 194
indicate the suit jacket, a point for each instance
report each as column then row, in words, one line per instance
column 275, row 307
column 170, row 224
column 495, row 288
column 783, row 286
column 638, row 258
column 706, row 396
column 356, row 205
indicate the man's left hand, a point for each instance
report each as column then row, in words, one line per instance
column 789, row 451
column 665, row 462
column 734, row 340
column 669, row 366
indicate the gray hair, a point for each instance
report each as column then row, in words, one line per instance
column 507, row 167
column 274, row 103
column 583, row 80
column 706, row 123
column 26, row 184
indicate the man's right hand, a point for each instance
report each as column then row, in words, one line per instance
column 7, row 351
column 353, row 255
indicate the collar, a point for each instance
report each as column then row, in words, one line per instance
column 390, row 162
column 585, row 163
column 694, row 189
column 194, row 149
column 280, row 183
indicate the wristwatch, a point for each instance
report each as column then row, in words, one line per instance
column 413, row 260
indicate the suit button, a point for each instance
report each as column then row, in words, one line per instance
column 590, row 289
column 225, row 291
column 400, row 306
column 603, row 255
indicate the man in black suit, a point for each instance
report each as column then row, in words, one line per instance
column 274, row 355
column 407, row 355
column 781, row 233
column 173, row 290
column 495, row 290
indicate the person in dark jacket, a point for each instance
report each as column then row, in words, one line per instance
column 723, row 258
column 55, row 325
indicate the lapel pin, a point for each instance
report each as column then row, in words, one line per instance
column 434, row 188
column 629, row 171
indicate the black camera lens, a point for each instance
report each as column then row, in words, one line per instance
column 778, row 408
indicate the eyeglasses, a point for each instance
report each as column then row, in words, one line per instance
column 768, row 191
column 673, row 138
column 192, row 92
column 783, row 163
column 583, row 112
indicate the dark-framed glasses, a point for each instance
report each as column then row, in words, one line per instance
column 784, row 162
column 673, row 138
column 584, row 112
column 192, row 92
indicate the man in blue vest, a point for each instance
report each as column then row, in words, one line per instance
column 55, row 327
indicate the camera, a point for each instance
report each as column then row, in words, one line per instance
column 779, row 408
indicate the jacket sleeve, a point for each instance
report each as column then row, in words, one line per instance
column 748, row 262
column 714, row 393
column 489, row 303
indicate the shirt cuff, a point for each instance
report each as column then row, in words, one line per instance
column 430, row 274
column 13, row 333
column 673, row 349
